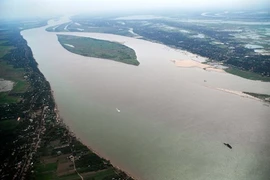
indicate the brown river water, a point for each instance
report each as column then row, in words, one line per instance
column 171, row 124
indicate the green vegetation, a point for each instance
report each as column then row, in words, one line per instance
column 22, row 108
column 68, row 177
column 8, row 125
column 105, row 28
column 33, row 24
column 105, row 175
column 6, row 98
column 70, row 151
column 84, row 162
column 20, row 86
column 36, row 145
column 46, row 167
column 49, row 172
column 5, row 50
column 99, row 49
column 45, row 176
column 247, row 74
column 264, row 97
column 16, row 75
column 8, row 72
column 223, row 42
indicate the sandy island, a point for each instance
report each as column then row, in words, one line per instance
column 69, row 45
column 196, row 64
column 238, row 93
column 207, row 67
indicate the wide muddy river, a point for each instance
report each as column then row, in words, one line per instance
column 172, row 121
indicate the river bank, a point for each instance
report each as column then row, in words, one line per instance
column 71, row 137
column 196, row 64
column 169, row 121
column 72, row 134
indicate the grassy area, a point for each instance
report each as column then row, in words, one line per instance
column 246, row 74
column 16, row 75
column 20, row 86
column 107, row 174
column 69, row 177
column 8, row 72
column 53, row 176
column 46, row 167
column 3, row 41
column 59, row 167
column 6, row 98
column 89, row 159
column 99, row 49
column 8, row 125
column 45, row 171
column 32, row 24
column 51, row 166
column 4, row 50
column 64, row 150
column 8, row 130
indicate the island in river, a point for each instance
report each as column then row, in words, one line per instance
column 229, row 42
column 171, row 125
column 35, row 144
column 99, row 49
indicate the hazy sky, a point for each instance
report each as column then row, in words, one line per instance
column 17, row 8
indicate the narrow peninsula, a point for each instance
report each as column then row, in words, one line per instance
column 99, row 49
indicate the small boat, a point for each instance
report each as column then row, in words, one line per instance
column 228, row 145
column 118, row 110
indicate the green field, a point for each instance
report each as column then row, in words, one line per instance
column 8, row 125
column 107, row 174
column 247, row 74
column 6, row 98
column 99, row 49
column 17, row 76
column 51, row 166
column 5, row 49
column 8, row 72
column 46, row 167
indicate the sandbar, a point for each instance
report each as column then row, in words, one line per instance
column 238, row 93
column 196, row 64
column 69, row 45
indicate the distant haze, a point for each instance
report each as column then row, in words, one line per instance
column 31, row 8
